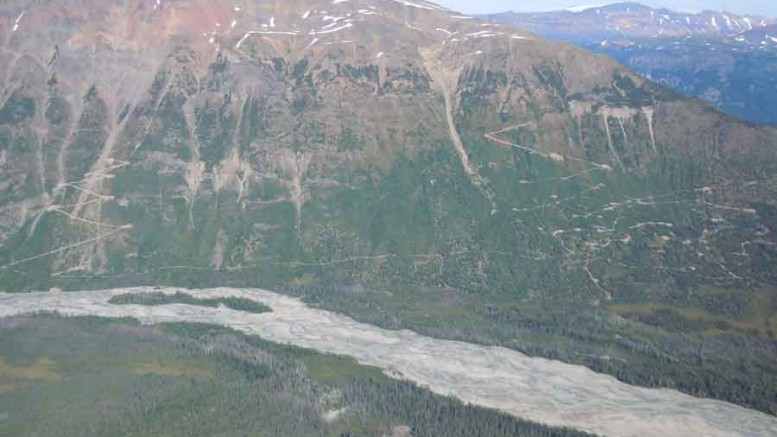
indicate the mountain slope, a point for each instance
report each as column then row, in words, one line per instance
column 760, row 36
column 376, row 147
column 722, row 58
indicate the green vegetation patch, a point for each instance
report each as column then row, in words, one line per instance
column 154, row 299
column 332, row 367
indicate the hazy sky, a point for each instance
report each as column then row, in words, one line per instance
column 762, row 7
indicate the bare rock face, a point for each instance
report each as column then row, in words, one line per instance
column 378, row 143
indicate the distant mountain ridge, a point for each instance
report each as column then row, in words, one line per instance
column 723, row 58
column 630, row 20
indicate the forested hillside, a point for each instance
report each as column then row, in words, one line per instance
column 89, row 376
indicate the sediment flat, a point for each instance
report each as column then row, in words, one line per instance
column 535, row 389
